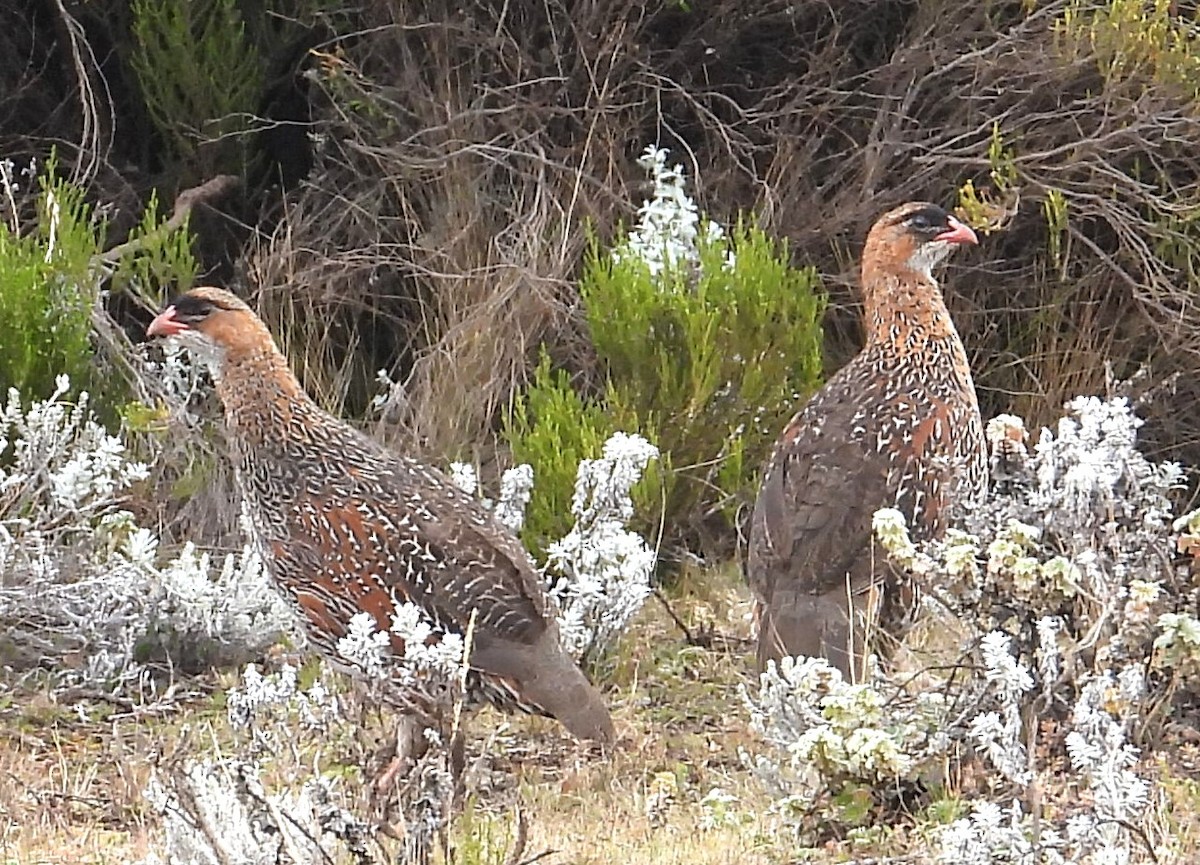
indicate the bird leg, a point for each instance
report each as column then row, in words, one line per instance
column 416, row 793
column 407, row 746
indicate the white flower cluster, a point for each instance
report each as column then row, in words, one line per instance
column 826, row 731
column 426, row 654
column 180, row 379
column 365, row 648
column 268, row 705
column 998, row 733
column 464, row 476
column 60, row 455
column 427, row 671
column 890, row 526
column 995, row 835
column 81, row 576
column 516, row 487
column 1178, row 642
column 669, row 225
column 603, row 568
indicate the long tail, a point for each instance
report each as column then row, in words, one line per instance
column 543, row 679
column 559, row 687
column 818, row 626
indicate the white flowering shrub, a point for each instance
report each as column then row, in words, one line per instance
column 603, row 568
column 599, row 572
column 425, row 677
column 179, row 382
column 219, row 608
column 1060, row 626
column 220, row 810
column 831, row 738
column 670, row 229
column 1104, row 826
column 306, row 738
column 464, row 476
column 80, row 579
column 429, row 681
column 516, row 488
column 1073, row 556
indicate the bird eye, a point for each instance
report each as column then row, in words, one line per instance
column 920, row 221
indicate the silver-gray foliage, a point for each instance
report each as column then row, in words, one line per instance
column 1059, row 599
column 85, row 590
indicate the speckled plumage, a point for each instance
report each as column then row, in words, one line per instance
column 898, row 426
column 346, row 526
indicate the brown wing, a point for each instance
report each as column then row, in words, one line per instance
column 483, row 567
column 377, row 547
column 342, row 556
column 811, row 559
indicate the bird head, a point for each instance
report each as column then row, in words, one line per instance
column 213, row 325
column 914, row 237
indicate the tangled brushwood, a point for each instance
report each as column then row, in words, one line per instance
column 1058, row 630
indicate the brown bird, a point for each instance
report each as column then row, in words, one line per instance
column 898, row 426
column 345, row 526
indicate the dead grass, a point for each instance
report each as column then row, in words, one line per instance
column 70, row 785
column 71, row 776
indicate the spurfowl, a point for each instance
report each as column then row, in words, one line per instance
column 345, row 526
column 898, row 426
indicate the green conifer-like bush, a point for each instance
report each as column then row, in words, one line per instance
column 53, row 267
column 46, row 297
column 706, row 342
column 201, row 77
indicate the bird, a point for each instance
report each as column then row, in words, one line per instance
column 896, row 427
column 345, row 526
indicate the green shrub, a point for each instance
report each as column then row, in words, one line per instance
column 707, row 345
column 552, row 428
column 201, row 77
column 51, row 273
column 1132, row 38
column 159, row 259
column 46, row 294
column 709, row 363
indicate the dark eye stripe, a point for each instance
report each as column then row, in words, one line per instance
column 930, row 218
column 190, row 307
